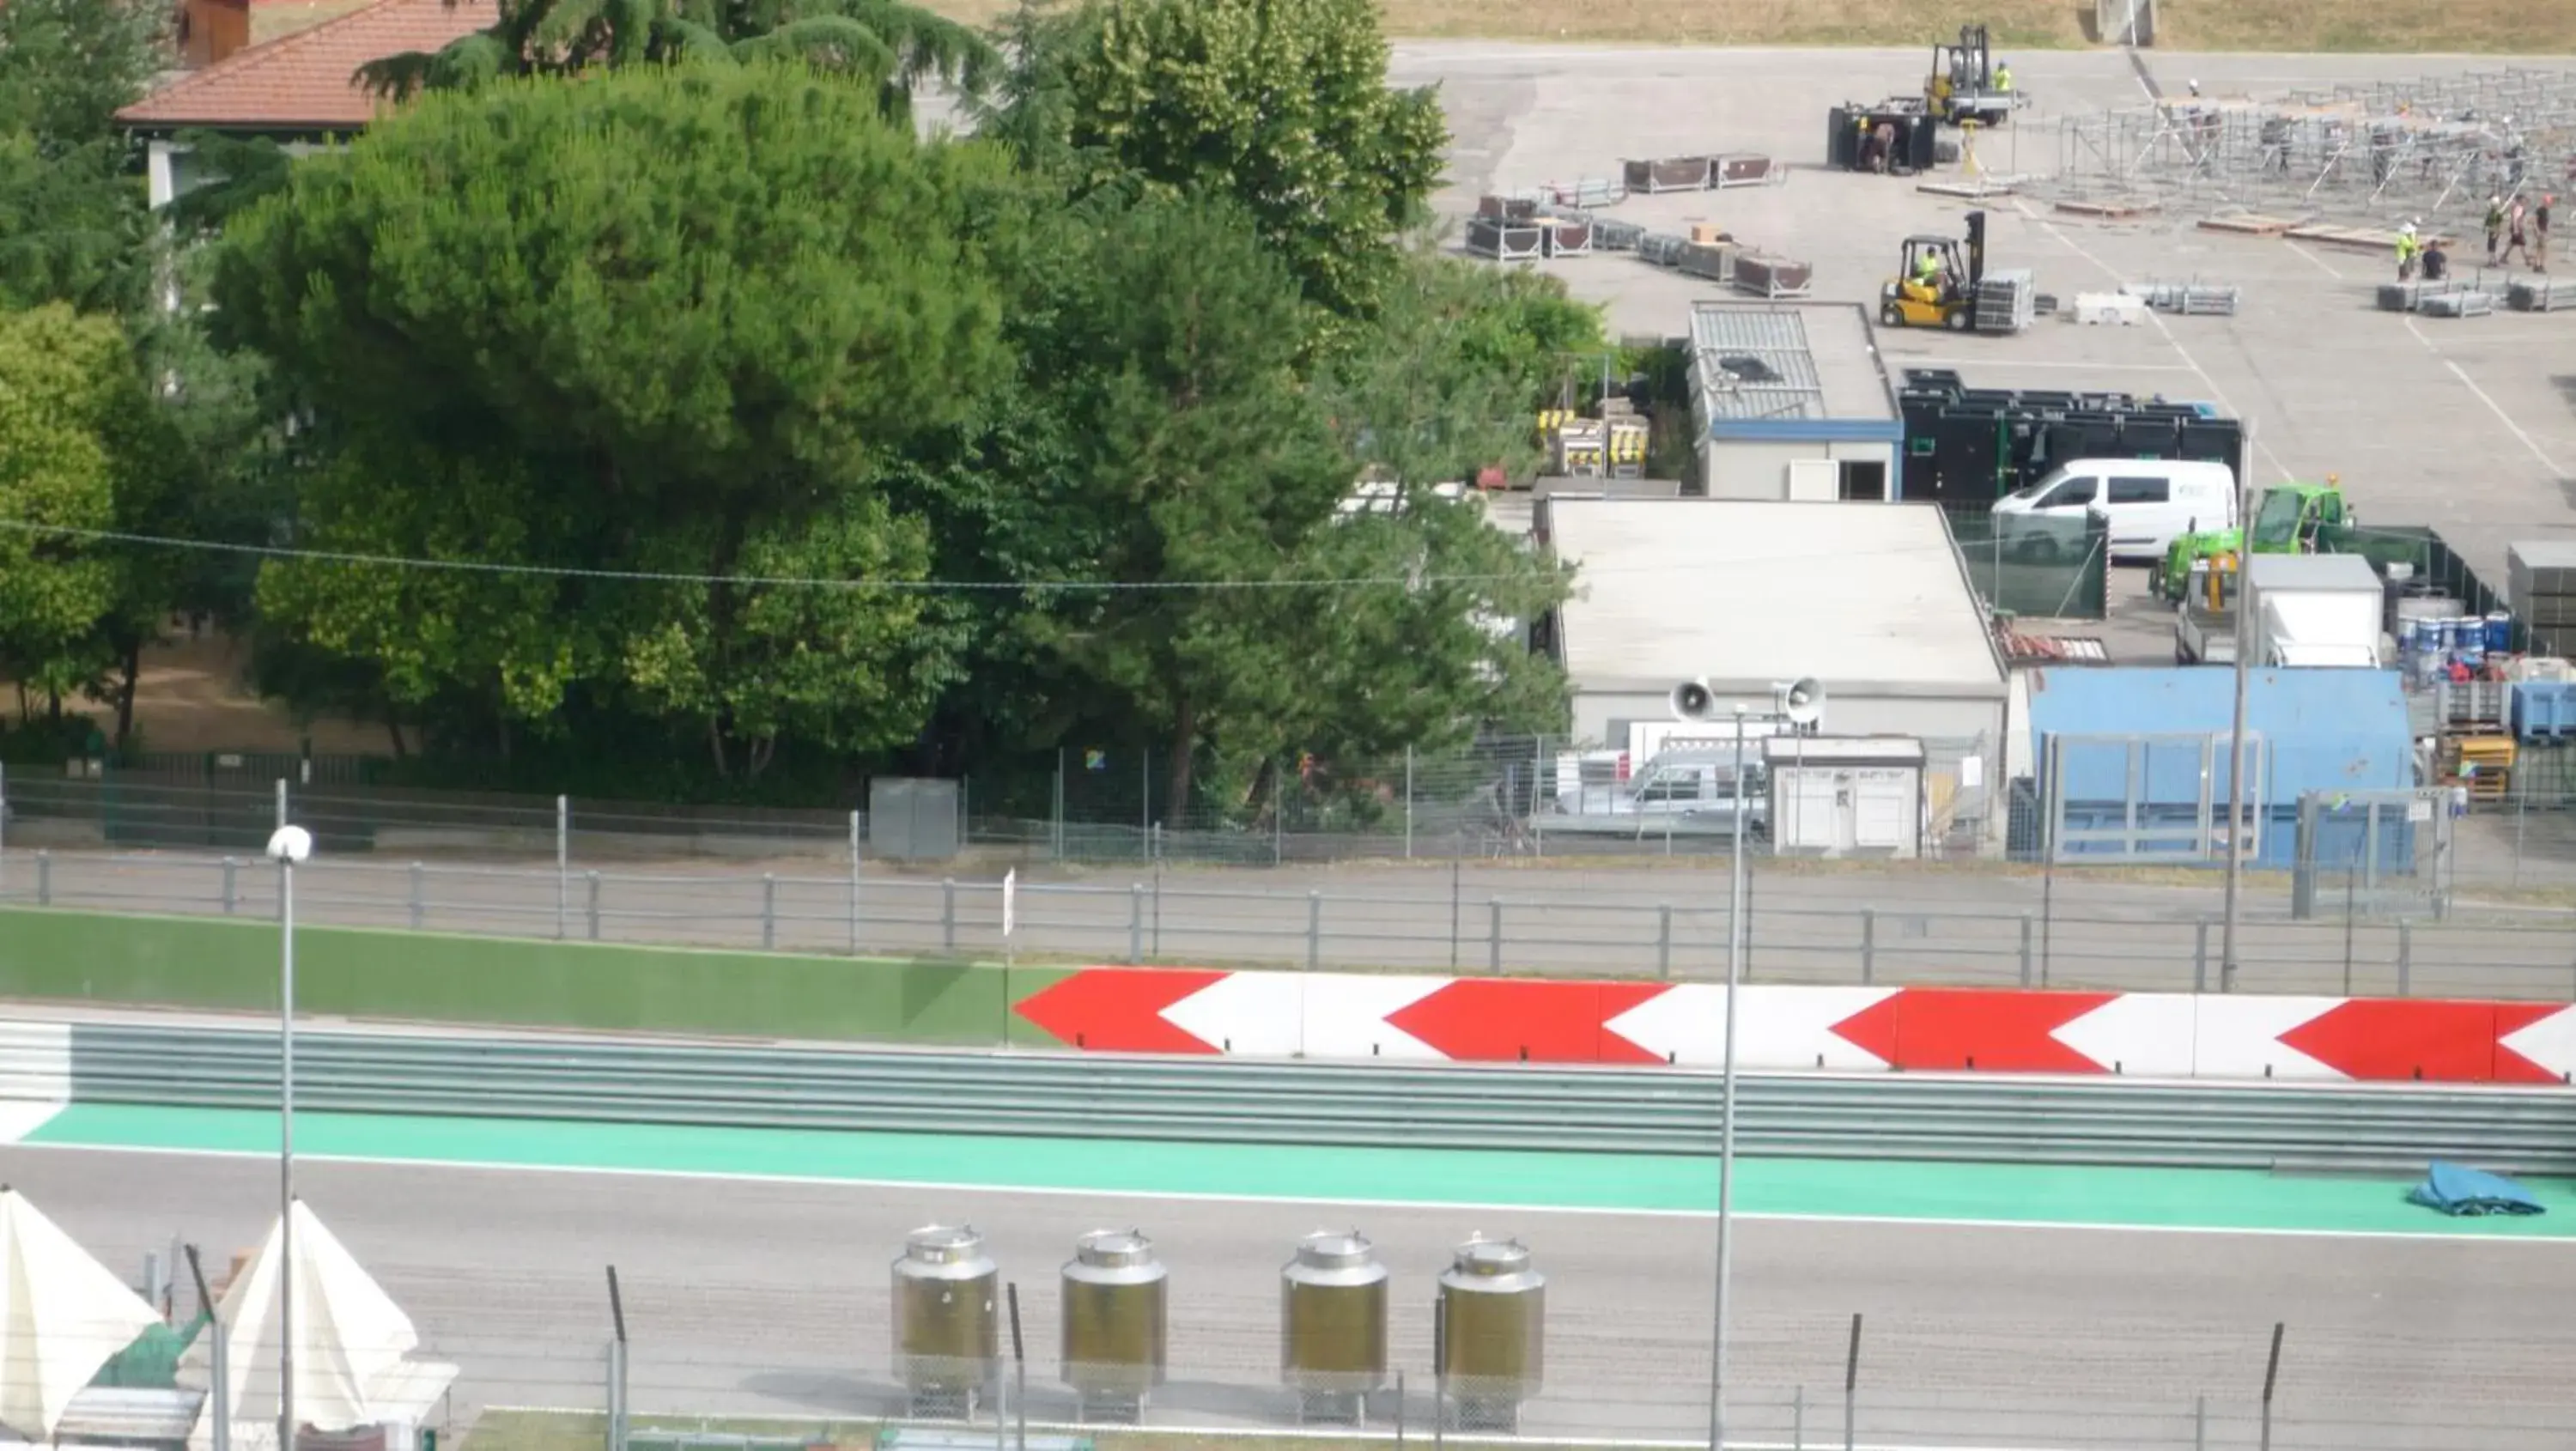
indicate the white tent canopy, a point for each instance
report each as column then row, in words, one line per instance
column 350, row 1344
column 62, row 1316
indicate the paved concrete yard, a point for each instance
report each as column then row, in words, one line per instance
column 2467, row 425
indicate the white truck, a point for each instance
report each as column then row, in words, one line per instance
column 2316, row 610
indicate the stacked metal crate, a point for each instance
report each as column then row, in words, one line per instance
column 2540, row 589
column 2006, row 301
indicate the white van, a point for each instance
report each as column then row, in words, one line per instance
column 2148, row 501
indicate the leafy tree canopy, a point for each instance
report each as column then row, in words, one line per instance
column 667, row 320
column 1281, row 105
column 891, row 43
column 63, row 386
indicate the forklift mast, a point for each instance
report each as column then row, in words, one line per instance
column 1976, row 248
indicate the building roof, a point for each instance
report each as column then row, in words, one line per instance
column 2311, row 571
column 1745, row 594
column 1776, row 363
column 306, row 81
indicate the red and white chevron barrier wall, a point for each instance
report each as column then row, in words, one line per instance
column 1499, row 1020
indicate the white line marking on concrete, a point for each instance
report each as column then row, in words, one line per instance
column 1914, row 360
column 2492, row 406
column 825, row 1181
column 2216, row 393
column 2321, row 264
column 19, row 1118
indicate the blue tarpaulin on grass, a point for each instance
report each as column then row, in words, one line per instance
column 2453, row 1189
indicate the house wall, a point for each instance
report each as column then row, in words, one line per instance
column 1745, row 469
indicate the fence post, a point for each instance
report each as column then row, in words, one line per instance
column 1314, row 930
column 592, row 887
column 1664, row 940
column 2271, row 1379
column 2200, row 956
column 2025, row 949
column 1851, row 1385
column 230, row 896
column 563, row 866
column 1494, row 937
column 1868, row 946
column 1453, row 908
column 2200, row 1423
column 948, row 912
column 768, row 911
column 281, row 801
column 2405, row 958
column 854, row 874
column 1798, row 1418
column 1278, row 813
column 1408, row 803
column 419, row 896
column 45, row 877
column 1135, row 923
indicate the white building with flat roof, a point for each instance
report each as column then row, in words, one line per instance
column 1791, row 401
column 1870, row 599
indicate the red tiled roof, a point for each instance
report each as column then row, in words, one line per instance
column 307, row 81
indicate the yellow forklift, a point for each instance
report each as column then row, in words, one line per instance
column 1966, row 85
column 1936, row 281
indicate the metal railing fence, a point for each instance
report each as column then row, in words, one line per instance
column 1490, row 919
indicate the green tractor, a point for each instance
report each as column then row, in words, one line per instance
column 2290, row 519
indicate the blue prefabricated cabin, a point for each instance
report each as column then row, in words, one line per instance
column 2329, row 730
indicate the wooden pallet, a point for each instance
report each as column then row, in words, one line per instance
column 2360, row 239
column 2249, row 224
column 2112, row 211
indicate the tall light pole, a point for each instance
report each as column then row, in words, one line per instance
column 2236, row 798
column 1726, row 1106
column 288, row 847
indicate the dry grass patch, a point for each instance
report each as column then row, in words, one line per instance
column 2492, row 27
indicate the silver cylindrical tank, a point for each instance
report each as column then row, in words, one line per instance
column 1493, row 1310
column 1332, row 1316
column 947, row 1322
column 1116, row 1297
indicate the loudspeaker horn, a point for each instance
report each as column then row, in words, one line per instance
column 1692, row 700
column 1804, row 703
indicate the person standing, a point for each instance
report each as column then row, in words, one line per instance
column 2516, row 239
column 2495, row 226
column 2407, row 248
column 2540, row 234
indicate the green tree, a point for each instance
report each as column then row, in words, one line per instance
column 888, row 42
column 73, row 222
column 679, row 323
column 1203, row 462
column 63, row 385
column 1280, row 104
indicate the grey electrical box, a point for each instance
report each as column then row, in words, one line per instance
column 912, row 819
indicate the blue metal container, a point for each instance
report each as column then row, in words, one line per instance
column 2499, row 633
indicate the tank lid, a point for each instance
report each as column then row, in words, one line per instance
column 1328, row 1249
column 942, row 1244
column 1492, row 1257
column 1114, row 1248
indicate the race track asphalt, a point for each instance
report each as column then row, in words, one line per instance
column 770, row 1298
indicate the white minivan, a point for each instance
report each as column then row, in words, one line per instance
column 2147, row 501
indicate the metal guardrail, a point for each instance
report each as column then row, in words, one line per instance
column 1648, row 1111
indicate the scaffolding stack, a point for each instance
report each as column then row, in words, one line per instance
column 2378, row 153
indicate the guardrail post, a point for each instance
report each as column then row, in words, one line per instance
column 2200, row 1423
column 854, row 859
column 1868, row 946
column 590, row 887
column 2405, row 958
column 563, row 867
column 419, row 904
column 948, row 912
column 1494, row 936
column 44, row 877
column 769, row 912
column 231, row 898
column 2200, row 956
column 1314, row 930
column 1664, row 940
column 1135, row 923
column 1798, row 1419
column 2025, row 949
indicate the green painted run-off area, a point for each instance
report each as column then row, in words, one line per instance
column 2150, row 1198
column 219, row 964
